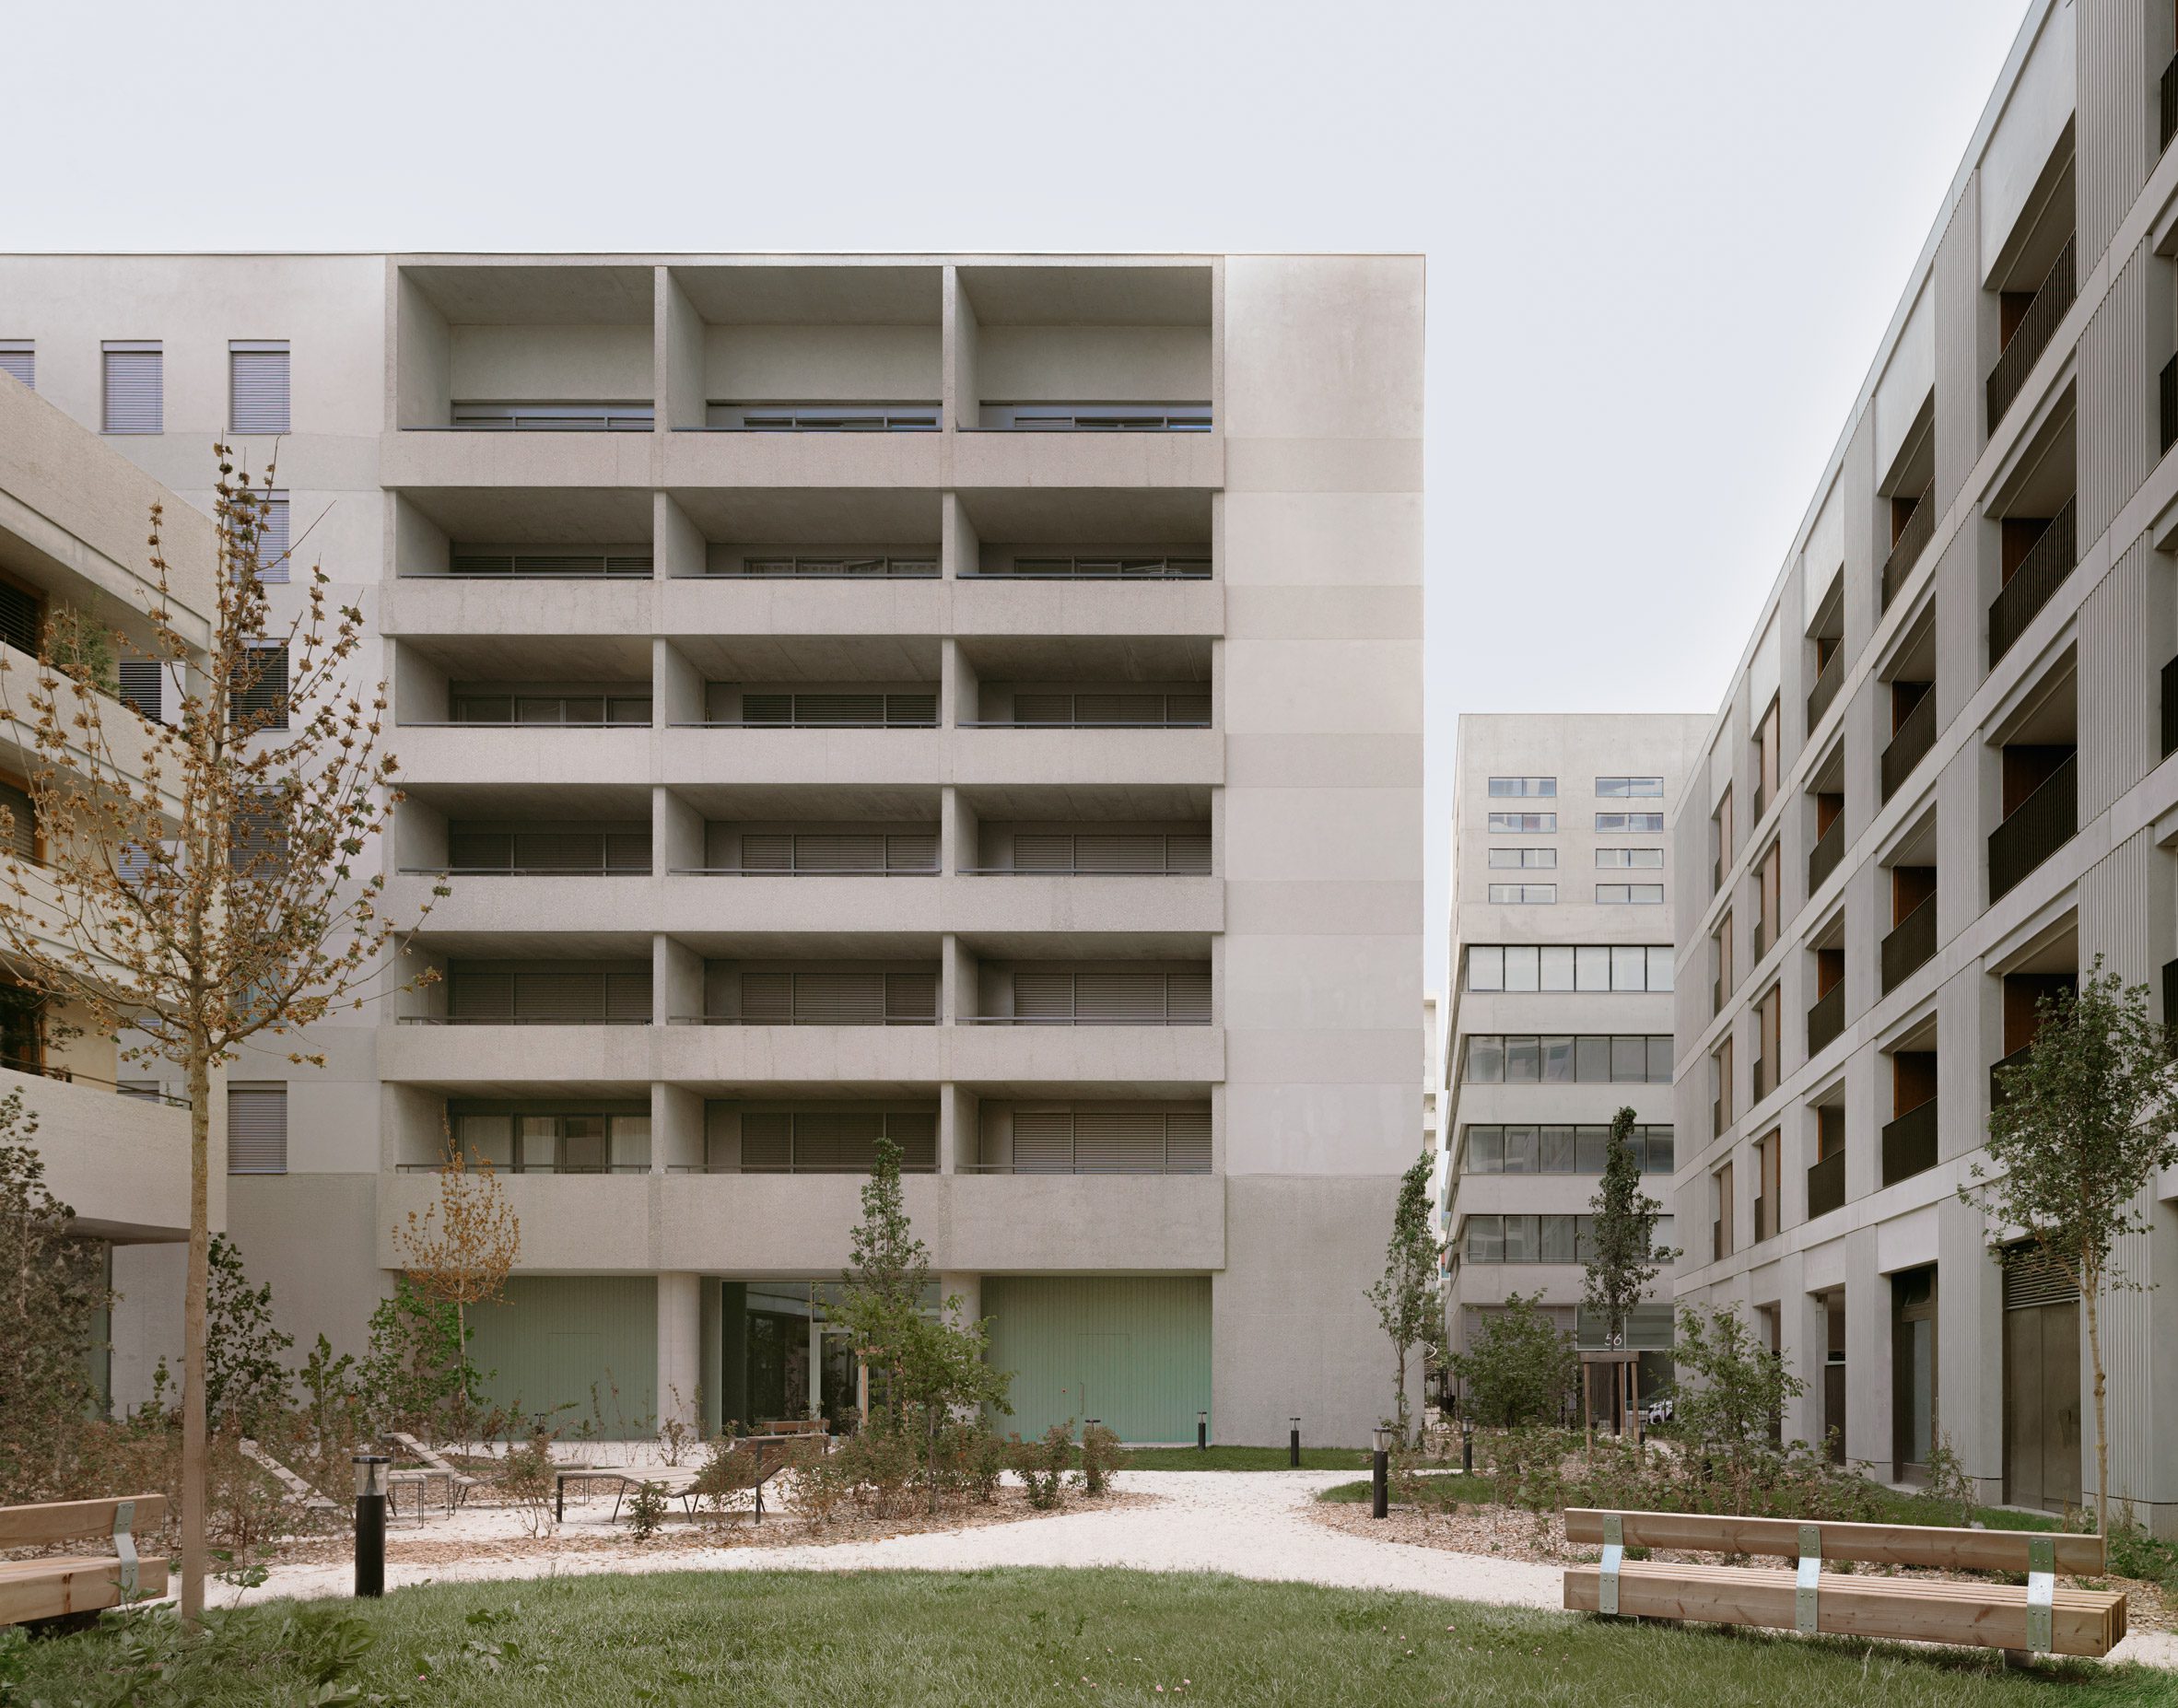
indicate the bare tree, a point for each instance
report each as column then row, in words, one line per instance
column 199, row 883
column 462, row 1247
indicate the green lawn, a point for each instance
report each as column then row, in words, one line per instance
column 916, row 1640
column 1242, row 1459
column 1431, row 1488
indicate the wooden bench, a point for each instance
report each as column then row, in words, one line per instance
column 2039, row 1618
column 59, row 1584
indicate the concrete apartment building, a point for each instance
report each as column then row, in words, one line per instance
column 1559, row 1005
column 970, row 699
column 74, row 514
column 1940, row 787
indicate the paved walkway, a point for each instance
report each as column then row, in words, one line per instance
column 1249, row 1524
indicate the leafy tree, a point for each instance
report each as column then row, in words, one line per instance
column 1738, row 1392
column 416, row 1374
column 53, row 1286
column 1520, row 1368
column 201, row 880
column 2078, row 1132
column 1406, row 1295
column 1623, row 1258
column 244, row 1377
column 462, row 1248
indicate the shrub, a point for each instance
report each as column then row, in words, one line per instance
column 727, row 1473
column 645, row 1511
column 1100, row 1458
column 526, row 1480
column 1520, row 1368
column 1043, row 1464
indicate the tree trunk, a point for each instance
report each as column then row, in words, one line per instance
column 1402, row 1370
column 193, row 1333
column 2094, row 1328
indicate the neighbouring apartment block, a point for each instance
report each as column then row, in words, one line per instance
column 1939, row 790
column 970, row 701
column 1559, row 1012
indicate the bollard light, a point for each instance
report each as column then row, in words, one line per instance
column 1380, row 1474
column 1203, row 1431
column 1292, row 1445
column 1466, row 1443
column 371, row 1523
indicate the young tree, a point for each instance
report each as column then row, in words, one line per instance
column 1737, row 1395
column 2078, row 1132
column 1408, row 1302
column 244, row 1374
column 201, row 880
column 1520, row 1368
column 462, row 1248
column 52, row 1285
column 1623, row 1257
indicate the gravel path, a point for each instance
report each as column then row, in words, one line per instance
column 1249, row 1524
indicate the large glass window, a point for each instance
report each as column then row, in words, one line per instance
column 1593, row 1059
column 1624, row 823
column 1493, row 1148
column 1485, row 968
column 1524, row 859
column 1569, row 967
column 1523, row 823
column 1630, row 788
column 1538, row 1239
column 1630, row 895
column 1516, row 788
column 1629, row 860
column 1524, row 894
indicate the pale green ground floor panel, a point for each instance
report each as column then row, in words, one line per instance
column 582, row 1348
column 1131, row 1351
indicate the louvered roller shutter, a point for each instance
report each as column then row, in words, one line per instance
column 914, row 853
column 480, row 990
column 1119, row 708
column 273, row 541
column 839, row 999
column 1120, row 999
column 839, row 708
column 257, row 385
column 627, row 850
column 767, row 1143
column 557, row 850
column 766, row 852
column 551, row 991
column 21, row 831
column 262, row 700
column 1044, row 996
column 1044, row 1142
column 917, row 1135
column 911, row 996
column 1188, row 708
column 22, row 616
column 766, row 999
column 134, row 391
column 911, row 708
column 256, row 1129
column 143, row 685
column 19, row 360
column 1043, row 709
column 1118, row 1143
column 2031, row 1279
column 1186, row 999
column 1114, row 851
column 768, row 708
column 832, row 852
column 627, row 992
column 480, row 850
column 1187, row 1143
column 830, row 1142
column 1187, row 853
column 1042, row 853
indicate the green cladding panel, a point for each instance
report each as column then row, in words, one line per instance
column 587, row 1345
column 1133, row 1351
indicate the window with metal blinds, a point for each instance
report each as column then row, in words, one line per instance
column 273, row 541
column 1111, row 1141
column 1111, row 852
column 256, row 1129
column 835, row 1142
column 873, row 709
column 2030, row 1278
column 21, row 831
column 549, row 993
column 134, row 388
column 22, row 617
column 257, row 385
column 19, row 360
column 143, row 685
column 548, row 850
column 263, row 694
column 1133, row 997
column 838, row 851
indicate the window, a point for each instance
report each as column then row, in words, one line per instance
column 260, row 698
column 1538, row 1239
column 256, row 1129
column 1586, row 966
column 1720, row 1214
column 1720, row 1079
column 1768, row 1013
column 1523, row 823
column 1765, row 1189
column 1769, row 881
column 1523, row 859
column 1561, row 1149
column 19, row 360
column 1524, row 894
column 1622, row 823
column 1636, row 894
column 1523, row 788
column 134, row 390
column 1721, row 843
column 272, row 540
column 1517, row 1058
column 1629, row 789
column 257, row 385
column 143, row 686
column 1629, row 860
column 580, row 1141
column 1765, row 760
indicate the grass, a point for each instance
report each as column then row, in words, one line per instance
column 921, row 1640
column 1242, row 1459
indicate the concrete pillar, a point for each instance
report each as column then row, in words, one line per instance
column 680, row 1348
column 967, row 1287
column 711, row 1314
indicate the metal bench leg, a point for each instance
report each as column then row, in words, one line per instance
column 1808, row 1585
column 1615, row 1554
column 124, row 1545
column 559, row 1510
column 2042, row 1591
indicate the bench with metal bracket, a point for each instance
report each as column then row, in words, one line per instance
column 55, row 1586
column 2038, row 1618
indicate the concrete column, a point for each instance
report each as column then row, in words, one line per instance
column 710, row 1313
column 967, row 1287
column 680, row 1348
column 677, row 546
column 961, row 548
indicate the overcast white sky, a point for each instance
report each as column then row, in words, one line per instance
column 1663, row 235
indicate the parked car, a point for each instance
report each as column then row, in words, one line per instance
column 1657, row 1411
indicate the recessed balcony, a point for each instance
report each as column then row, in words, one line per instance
column 2039, row 574
column 2037, row 324
column 1909, row 945
column 1909, row 1144
column 2041, row 824
column 1912, row 738
column 1826, row 1186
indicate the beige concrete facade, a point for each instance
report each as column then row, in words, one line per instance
column 1254, row 428
column 1968, row 799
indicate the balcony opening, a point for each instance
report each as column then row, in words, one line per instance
column 763, row 1136
column 808, row 682
column 750, row 831
column 542, row 992
column 547, row 1135
column 1723, row 1241
column 1910, row 1136
column 1911, row 940
column 829, row 993
column 1826, row 641
column 1826, row 1015
column 1079, row 349
column 1909, row 678
column 1769, row 1014
column 518, row 348
column 1039, row 534
column 1769, row 882
column 2038, row 800
column 2034, row 280
column 1826, row 790
column 1723, row 843
column 1151, row 682
column 1103, row 993
column 1081, row 1137
column 1826, row 1173
column 2035, row 513
column 1909, row 492
column 509, row 534
column 1766, row 1202
column 793, row 349
column 1720, row 1087
column 2030, row 984
column 1725, row 978
column 577, row 683
column 754, row 533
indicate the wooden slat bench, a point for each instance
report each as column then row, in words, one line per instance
column 59, row 1584
column 2040, row 1617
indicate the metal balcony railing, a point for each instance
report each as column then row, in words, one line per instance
column 1912, row 540
column 2031, row 337
column 522, row 1020
column 535, row 1168
column 1909, row 743
column 597, row 871
column 2170, row 103
column 1168, row 1167
column 1826, row 1186
column 1718, row 1120
column 1082, row 1020
column 629, row 416
column 1720, row 1244
column 907, row 1166
column 1087, row 417
column 1822, row 859
column 802, row 1020
column 1827, row 1018
column 71, row 1076
column 905, row 721
column 2170, row 709
column 1826, row 686
column 2041, row 824
column 874, row 568
column 539, row 566
column 1099, row 570
column 803, row 871
column 1911, row 942
column 1908, row 1144
column 2166, row 398
column 887, row 416
column 2048, row 561
column 1997, row 1070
